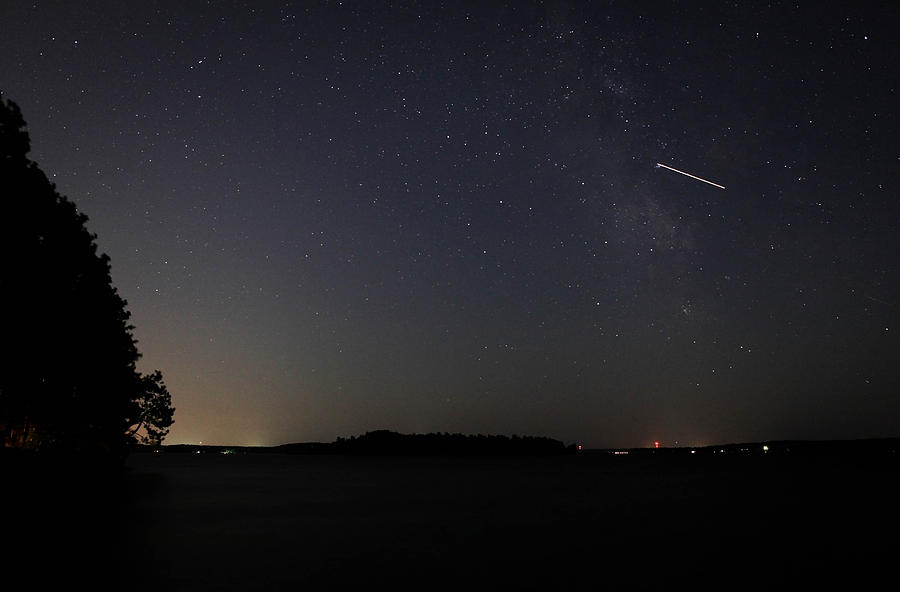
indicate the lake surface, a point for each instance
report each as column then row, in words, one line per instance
column 286, row 522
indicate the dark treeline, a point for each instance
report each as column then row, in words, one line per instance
column 388, row 442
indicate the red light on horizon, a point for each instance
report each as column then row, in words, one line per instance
column 656, row 444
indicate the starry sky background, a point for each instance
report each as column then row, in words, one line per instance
column 334, row 217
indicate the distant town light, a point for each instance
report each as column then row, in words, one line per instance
column 765, row 448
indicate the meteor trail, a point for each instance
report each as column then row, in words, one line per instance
column 659, row 164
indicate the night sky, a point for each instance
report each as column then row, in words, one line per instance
column 329, row 218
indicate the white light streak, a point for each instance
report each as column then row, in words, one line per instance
column 690, row 175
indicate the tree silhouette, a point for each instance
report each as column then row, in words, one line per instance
column 154, row 410
column 68, row 378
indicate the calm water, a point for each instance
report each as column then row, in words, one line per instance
column 278, row 522
column 273, row 522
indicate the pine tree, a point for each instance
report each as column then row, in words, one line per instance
column 68, row 376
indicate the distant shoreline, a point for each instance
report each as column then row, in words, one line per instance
column 392, row 443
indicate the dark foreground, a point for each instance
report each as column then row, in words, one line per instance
column 281, row 522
